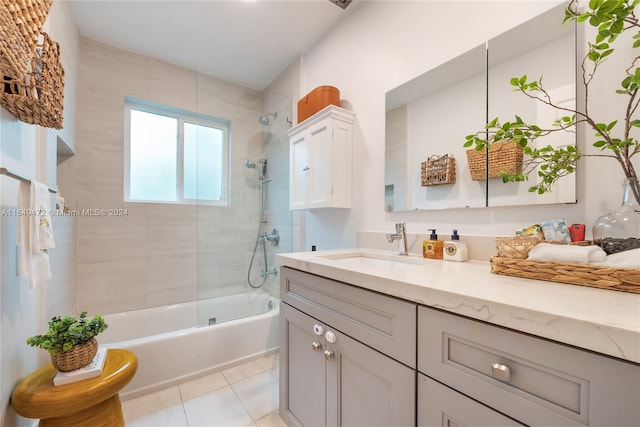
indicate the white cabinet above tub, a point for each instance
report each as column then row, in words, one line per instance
column 321, row 160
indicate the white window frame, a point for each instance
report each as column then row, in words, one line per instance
column 183, row 117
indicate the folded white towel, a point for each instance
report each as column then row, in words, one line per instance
column 626, row 259
column 545, row 252
column 35, row 232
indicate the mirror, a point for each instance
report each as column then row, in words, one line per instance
column 431, row 115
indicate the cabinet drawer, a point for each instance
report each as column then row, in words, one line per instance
column 384, row 323
column 536, row 381
column 438, row 405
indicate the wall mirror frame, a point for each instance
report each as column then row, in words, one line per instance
column 431, row 114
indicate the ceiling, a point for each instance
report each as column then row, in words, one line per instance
column 249, row 42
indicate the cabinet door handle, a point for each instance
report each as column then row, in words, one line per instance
column 328, row 354
column 501, row 372
column 316, row 346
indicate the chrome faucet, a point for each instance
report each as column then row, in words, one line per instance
column 401, row 236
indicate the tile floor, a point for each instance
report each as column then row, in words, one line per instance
column 244, row 395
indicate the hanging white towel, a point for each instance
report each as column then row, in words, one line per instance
column 35, row 232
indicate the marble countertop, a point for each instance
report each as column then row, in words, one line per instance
column 600, row 320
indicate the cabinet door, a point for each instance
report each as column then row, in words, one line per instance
column 302, row 370
column 319, row 151
column 300, row 171
column 367, row 388
column 440, row 406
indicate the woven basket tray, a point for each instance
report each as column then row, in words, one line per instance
column 617, row 279
column 38, row 97
column 14, row 49
column 29, row 17
column 504, row 157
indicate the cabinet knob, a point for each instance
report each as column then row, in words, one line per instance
column 316, row 346
column 501, row 372
column 328, row 354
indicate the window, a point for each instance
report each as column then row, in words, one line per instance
column 173, row 156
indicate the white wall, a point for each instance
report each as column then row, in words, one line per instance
column 28, row 150
column 381, row 45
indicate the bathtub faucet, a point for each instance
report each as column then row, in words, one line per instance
column 274, row 237
column 401, row 236
column 265, row 273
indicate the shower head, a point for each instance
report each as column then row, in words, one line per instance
column 262, row 169
column 266, row 118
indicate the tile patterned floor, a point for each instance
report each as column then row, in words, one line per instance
column 244, row 395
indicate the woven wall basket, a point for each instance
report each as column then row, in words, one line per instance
column 438, row 170
column 28, row 17
column 38, row 97
column 504, row 157
column 14, row 49
column 79, row 356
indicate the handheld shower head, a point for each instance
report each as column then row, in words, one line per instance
column 266, row 118
column 262, row 170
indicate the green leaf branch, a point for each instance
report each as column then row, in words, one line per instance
column 611, row 18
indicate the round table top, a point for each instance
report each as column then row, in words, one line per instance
column 36, row 396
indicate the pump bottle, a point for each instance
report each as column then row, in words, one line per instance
column 454, row 249
column 432, row 248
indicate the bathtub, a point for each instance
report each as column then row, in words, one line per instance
column 171, row 348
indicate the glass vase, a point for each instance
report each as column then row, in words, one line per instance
column 619, row 230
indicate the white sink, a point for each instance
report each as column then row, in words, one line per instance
column 378, row 258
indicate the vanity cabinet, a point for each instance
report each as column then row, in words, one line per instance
column 321, row 160
column 529, row 379
column 332, row 372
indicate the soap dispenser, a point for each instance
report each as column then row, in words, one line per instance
column 454, row 249
column 432, row 248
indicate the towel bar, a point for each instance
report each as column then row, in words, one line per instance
column 5, row 171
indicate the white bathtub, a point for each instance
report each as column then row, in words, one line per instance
column 171, row 348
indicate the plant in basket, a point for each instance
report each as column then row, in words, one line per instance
column 70, row 341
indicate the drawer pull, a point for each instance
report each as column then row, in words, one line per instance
column 501, row 372
column 316, row 346
column 328, row 354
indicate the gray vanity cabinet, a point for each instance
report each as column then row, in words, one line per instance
column 440, row 406
column 532, row 380
column 331, row 378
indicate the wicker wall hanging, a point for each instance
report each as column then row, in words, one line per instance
column 37, row 98
column 504, row 157
column 438, row 170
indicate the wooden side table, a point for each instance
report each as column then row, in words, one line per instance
column 91, row 402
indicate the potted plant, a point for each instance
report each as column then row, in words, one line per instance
column 70, row 341
column 615, row 140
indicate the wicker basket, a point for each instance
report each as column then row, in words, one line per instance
column 617, row 279
column 515, row 247
column 80, row 355
column 28, row 17
column 14, row 50
column 504, row 157
column 438, row 170
column 38, row 97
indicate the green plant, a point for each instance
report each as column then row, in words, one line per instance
column 611, row 18
column 65, row 332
